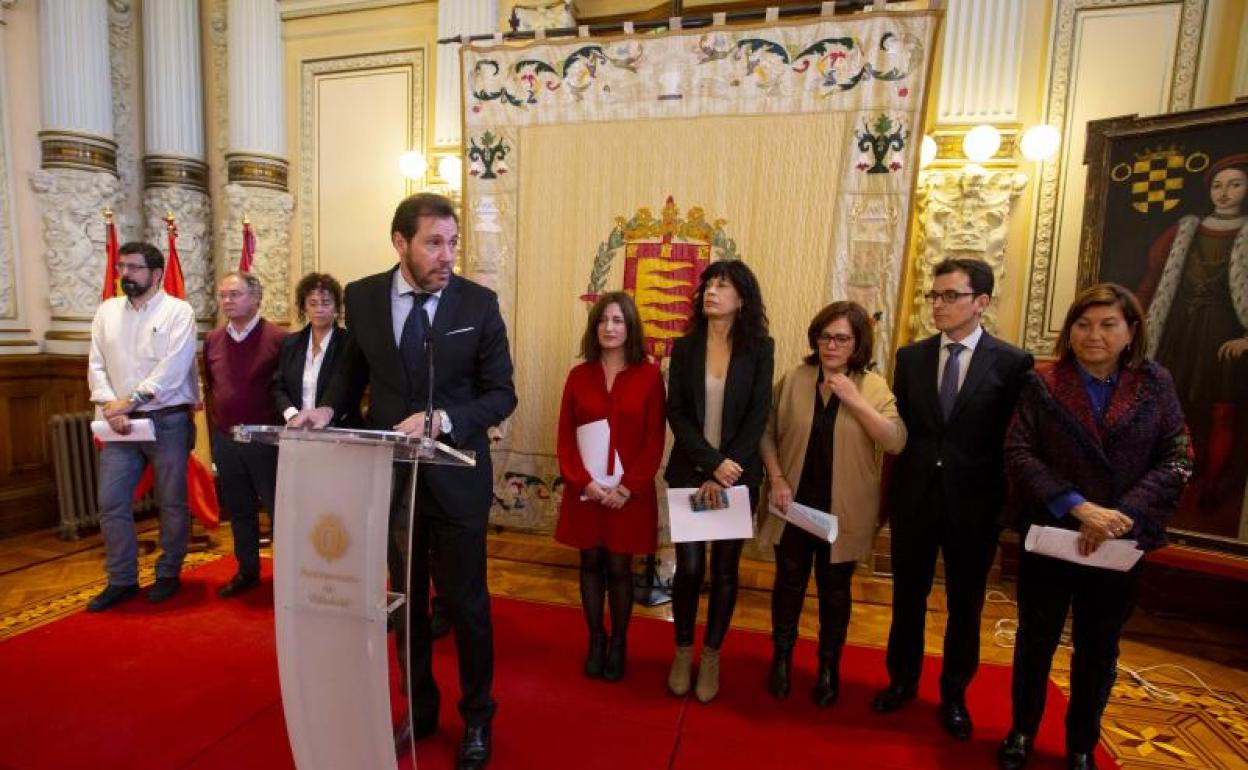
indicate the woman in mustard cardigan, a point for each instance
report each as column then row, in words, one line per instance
column 831, row 420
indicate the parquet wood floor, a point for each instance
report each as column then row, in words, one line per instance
column 42, row 578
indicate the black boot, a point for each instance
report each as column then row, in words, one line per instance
column 828, row 681
column 594, row 659
column 613, row 670
column 780, row 678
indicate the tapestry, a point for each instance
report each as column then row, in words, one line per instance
column 599, row 164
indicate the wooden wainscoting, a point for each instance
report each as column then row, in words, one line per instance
column 32, row 389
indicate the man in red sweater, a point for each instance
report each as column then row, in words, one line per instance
column 238, row 365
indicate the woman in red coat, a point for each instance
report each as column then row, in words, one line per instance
column 612, row 513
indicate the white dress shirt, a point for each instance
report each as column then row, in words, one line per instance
column 311, row 372
column 970, row 342
column 401, row 299
column 149, row 349
column 238, row 336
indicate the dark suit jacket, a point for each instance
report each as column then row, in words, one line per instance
column 473, row 381
column 963, row 455
column 288, row 378
column 747, row 405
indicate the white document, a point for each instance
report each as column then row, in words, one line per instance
column 818, row 523
column 593, row 441
column 140, row 430
column 732, row 523
column 1118, row 555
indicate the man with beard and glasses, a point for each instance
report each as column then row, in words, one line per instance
column 142, row 366
column 397, row 319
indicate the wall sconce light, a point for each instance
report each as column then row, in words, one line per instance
column 1039, row 143
column 981, row 143
column 927, row 151
column 412, row 164
column 451, row 170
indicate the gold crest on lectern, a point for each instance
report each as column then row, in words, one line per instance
column 330, row 537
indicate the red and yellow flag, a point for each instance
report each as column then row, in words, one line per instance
column 112, row 281
column 249, row 247
column 175, row 286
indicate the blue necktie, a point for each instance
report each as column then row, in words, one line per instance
column 949, row 380
column 412, row 341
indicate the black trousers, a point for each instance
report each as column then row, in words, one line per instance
column 1100, row 602
column 450, row 548
column 968, row 554
column 246, row 480
column 796, row 553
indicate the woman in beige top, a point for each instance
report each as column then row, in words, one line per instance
column 831, row 420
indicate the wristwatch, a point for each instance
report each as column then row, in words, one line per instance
column 444, row 421
column 138, row 399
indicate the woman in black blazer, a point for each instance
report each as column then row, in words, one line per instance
column 718, row 401
column 319, row 345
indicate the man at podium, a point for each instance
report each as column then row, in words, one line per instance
column 416, row 315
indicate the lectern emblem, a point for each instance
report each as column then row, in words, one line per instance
column 330, row 538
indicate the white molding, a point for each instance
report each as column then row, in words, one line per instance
column 300, row 9
column 464, row 17
column 980, row 62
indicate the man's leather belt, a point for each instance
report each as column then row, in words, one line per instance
column 163, row 412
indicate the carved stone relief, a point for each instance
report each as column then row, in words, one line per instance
column 216, row 81
column 124, row 66
column 962, row 213
column 73, row 234
column 192, row 211
column 270, row 212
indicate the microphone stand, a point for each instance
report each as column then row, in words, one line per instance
column 427, row 441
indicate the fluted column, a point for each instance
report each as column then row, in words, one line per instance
column 256, row 156
column 465, row 17
column 14, row 336
column 78, row 174
column 175, row 175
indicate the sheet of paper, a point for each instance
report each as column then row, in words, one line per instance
column 593, row 440
column 732, row 523
column 819, row 523
column 140, row 430
column 1119, row 555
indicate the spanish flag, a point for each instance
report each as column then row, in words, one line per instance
column 112, row 281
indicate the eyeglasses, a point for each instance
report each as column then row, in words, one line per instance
column 129, row 267
column 839, row 340
column 948, row 296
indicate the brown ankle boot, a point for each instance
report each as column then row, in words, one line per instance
column 708, row 675
column 678, row 681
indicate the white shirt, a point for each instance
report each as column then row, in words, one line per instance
column 964, row 357
column 401, row 299
column 238, row 336
column 149, row 349
column 311, row 372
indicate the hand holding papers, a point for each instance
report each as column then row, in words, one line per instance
column 593, row 441
column 816, row 522
column 140, row 430
column 731, row 523
column 1118, row 555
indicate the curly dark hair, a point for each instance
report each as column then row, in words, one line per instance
column 750, row 327
column 634, row 343
column 316, row 282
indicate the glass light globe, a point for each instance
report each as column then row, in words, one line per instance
column 981, row 143
column 1040, row 142
column 451, row 170
column 927, row 151
column 413, row 165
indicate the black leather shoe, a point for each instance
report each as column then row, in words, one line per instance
column 163, row 589
column 239, row 583
column 893, row 697
column 956, row 719
column 595, row 659
column 827, row 682
column 780, row 677
column 1080, row 761
column 439, row 621
column 474, row 749
column 1014, row 750
column 613, row 669
column 111, row 595
column 404, row 734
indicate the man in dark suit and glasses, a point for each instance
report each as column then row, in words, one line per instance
column 390, row 317
column 956, row 392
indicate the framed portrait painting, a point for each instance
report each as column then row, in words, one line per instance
column 1166, row 215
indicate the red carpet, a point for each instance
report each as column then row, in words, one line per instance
column 193, row 684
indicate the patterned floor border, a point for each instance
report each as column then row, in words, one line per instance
column 45, row 611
